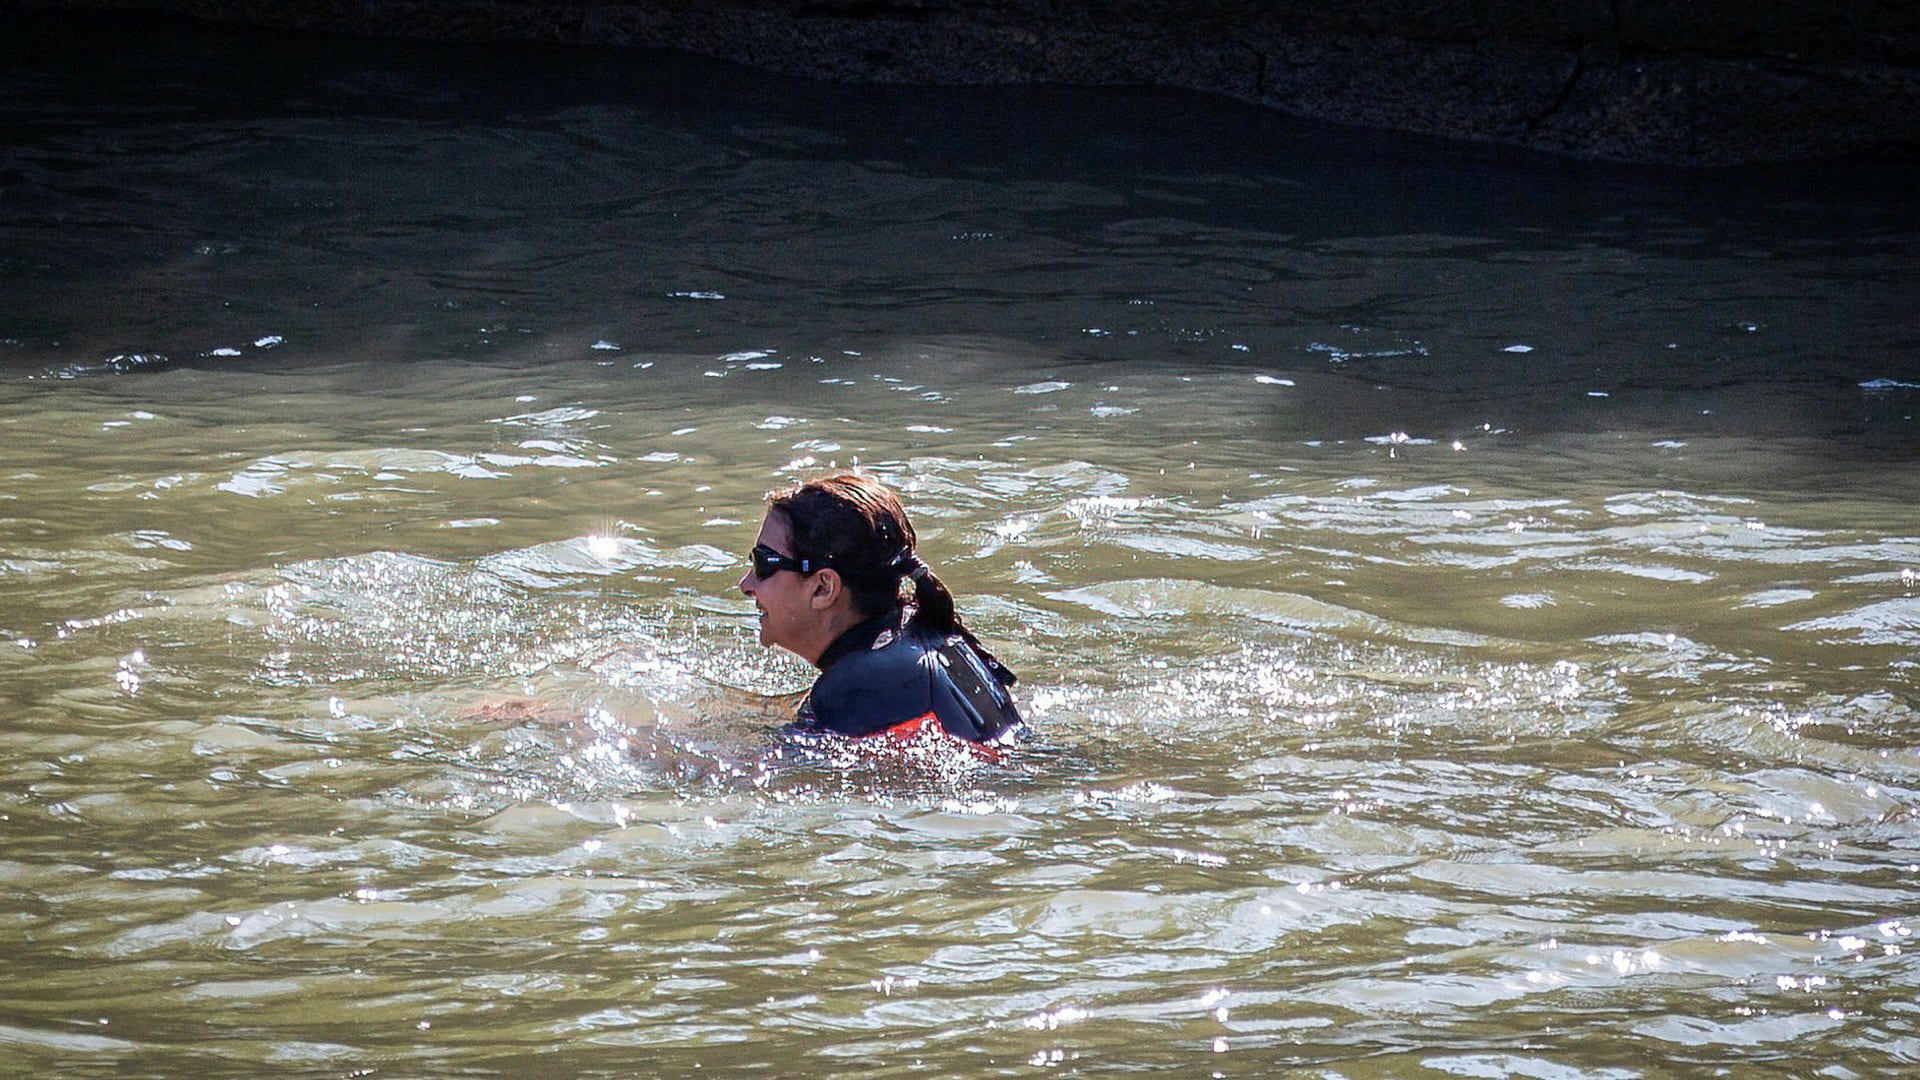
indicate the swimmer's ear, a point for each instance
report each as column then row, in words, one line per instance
column 824, row 587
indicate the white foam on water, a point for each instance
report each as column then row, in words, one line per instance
column 1528, row 600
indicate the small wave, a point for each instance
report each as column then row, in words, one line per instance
column 1526, row 601
column 277, row 473
column 1775, row 597
column 568, row 414
column 1340, row 355
column 1651, row 571
column 1164, row 597
column 1889, row 622
column 118, row 364
column 547, row 565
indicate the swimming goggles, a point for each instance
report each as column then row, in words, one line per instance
column 768, row 562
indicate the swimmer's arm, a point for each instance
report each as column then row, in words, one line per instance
column 511, row 712
column 718, row 703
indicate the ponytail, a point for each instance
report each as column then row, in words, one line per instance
column 933, row 611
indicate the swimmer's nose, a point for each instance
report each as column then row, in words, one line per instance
column 746, row 582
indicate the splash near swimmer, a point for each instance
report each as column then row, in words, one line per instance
column 828, row 571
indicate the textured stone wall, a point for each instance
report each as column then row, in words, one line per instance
column 1700, row 82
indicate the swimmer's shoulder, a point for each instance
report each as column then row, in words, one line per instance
column 872, row 688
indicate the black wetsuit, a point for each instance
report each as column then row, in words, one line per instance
column 880, row 678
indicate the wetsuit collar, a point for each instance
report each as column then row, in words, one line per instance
column 859, row 636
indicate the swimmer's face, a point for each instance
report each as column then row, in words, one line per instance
column 783, row 598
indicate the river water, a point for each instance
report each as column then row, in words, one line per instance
column 1466, row 601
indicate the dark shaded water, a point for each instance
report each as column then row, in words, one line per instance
column 1467, row 600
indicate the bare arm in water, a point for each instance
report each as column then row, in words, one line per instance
column 682, row 713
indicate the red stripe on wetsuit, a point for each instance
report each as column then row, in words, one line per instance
column 911, row 731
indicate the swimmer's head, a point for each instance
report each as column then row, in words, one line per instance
column 855, row 527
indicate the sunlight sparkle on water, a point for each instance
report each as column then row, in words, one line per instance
column 1052, row 1021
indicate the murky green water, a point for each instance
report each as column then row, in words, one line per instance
column 1466, row 602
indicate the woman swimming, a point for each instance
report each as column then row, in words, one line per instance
column 826, row 577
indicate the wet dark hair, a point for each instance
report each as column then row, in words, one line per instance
column 856, row 525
